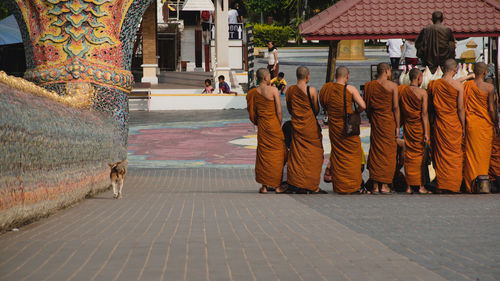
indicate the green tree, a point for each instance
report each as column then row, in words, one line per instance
column 4, row 12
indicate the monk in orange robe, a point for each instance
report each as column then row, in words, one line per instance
column 494, row 170
column 448, row 131
column 264, row 110
column 480, row 117
column 382, row 107
column 415, row 121
column 305, row 158
column 346, row 155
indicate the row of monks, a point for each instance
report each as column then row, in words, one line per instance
column 461, row 133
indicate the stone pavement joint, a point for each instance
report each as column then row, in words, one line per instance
column 200, row 224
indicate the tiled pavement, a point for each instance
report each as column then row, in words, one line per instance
column 199, row 224
column 210, row 223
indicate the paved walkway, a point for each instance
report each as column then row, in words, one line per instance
column 197, row 224
column 209, row 223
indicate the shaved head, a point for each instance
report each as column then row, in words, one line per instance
column 450, row 65
column 382, row 68
column 262, row 73
column 437, row 16
column 302, row 72
column 341, row 72
column 480, row 68
column 415, row 73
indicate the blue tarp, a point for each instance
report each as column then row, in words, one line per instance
column 9, row 31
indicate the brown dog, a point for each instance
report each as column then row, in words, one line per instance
column 118, row 171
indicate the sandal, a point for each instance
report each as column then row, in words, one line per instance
column 307, row 191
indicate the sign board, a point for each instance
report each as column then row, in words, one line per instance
column 235, row 31
column 250, row 57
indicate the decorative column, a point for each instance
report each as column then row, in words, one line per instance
column 222, row 38
column 149, row 42
column 75, row 45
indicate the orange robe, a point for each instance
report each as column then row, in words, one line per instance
column 413, row 132
column 447, row 136
column 271, row 149
column 383, row 147
column 346, row 155
column 305, row 158
column 479, row 133
column 494, row 170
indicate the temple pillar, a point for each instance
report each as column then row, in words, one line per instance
column 149, row 45
column 222, row 38
column 78, row 47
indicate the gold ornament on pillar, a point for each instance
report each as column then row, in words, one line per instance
column 351, row 50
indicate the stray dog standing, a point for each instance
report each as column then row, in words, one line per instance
column 118, row 171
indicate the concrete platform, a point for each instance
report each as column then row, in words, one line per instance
column 183, row 91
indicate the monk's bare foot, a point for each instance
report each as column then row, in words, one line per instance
column 385, row 189
column 320, row 191
column 409, row 190
column 281, row 189
column 263, row 189
column 422, row 190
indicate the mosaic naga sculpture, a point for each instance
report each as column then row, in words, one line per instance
column 75, row 46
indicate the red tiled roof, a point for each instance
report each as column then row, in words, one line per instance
column 381, row 19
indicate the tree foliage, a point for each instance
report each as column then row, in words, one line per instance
column 284, row 11
column 4, row 12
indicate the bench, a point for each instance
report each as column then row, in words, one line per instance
column 141, row 91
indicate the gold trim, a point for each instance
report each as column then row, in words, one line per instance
column 76, row 99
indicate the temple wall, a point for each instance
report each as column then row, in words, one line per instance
column 52, row 153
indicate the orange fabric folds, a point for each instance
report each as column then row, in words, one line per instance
column 447, row 136
column 305, row 159
column 494, row 170
column 413, row 132
column 271, row 148
column 383, row 148
column 346, row 155
column 479, row 133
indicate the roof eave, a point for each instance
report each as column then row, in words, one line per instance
column 395, row 35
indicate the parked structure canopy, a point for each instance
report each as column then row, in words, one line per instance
column 383, row 19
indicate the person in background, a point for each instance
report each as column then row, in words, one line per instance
column 232, row 15
column 223, row 86
column 240, row 8
column 409, row 52
column 206, row 23
column 435, row 43
column 272, row 57
column 280, row 83
column 394, row 47
column 208, row 87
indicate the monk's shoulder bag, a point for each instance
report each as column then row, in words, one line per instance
column 312, row 108
column 481, row 184
column 352, row 121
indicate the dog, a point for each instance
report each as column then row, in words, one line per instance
column 117, row 174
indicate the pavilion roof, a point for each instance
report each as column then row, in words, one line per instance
column 383, row 19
